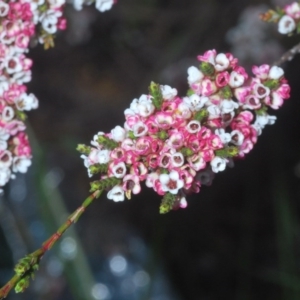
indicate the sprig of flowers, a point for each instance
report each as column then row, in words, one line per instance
column 23, row 21
column 288, row 18
column 176, row 144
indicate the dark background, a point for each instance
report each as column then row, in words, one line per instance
column 238, row 239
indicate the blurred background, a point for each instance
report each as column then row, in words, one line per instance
column 238, row 239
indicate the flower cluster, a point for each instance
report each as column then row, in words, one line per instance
column 288, row 18
column 176, row 144
column 22, row 22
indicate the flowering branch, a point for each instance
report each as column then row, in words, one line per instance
column 26, row 267
column 176, row 144
column 288, row 55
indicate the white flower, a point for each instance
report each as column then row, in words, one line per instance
column 119, row 170
column 218, row 164
column 8, row 113
column 193, row 126
column 27, row 102
column 214, row 111
column 151, row 178
column 145, row 108
column 177, row 159
column 4, row 135
column 104, row 5
column 142, row 106
column 103, row 156
column 171, row 182
column 195, row 75
column 77, row 4
column 224, row 136
column 12, row 64
column 5, row 159
column 276, row 72
column 49, row 20
column 262, row 121
column 3, row 145
column 195, row 102
column 236, row 79
column 4, row 8
column 221, row 62
column 116, row 194
column 228, row 106
column 21, row 164
column 168, row 93
column 139, row 129
column 4, row 86
column 21, row 77
column 237, row 137
column 118, row 134
column 286, row 25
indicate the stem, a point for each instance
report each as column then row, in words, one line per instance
column 288, row 56
column 47, row 245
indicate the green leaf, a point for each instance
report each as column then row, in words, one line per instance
column 84, row 149
column 22, row 284
column 272, row 84
column 98, row 168
column 155, row 92
column 262, row 111
column 225, row 92
column 167, row 203
column 207, row 68
column 190, row 92
column 186, row 151
column 162, row 135
column 201, row 115
column 230, row 151
column 107, row 142
column 104, row 184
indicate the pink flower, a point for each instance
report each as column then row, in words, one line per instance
column 284, row 91
column 293, row 10
column 274, row 101
column 177, row 159
column 262, row 71
column 164, row 120
column 193, row 126
column 197, row 162
column 252, row 102
column 208, row 56
column 143, row 146
column 131, row 182
column 222, row 79
column 208, row 87
column 164, row 160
